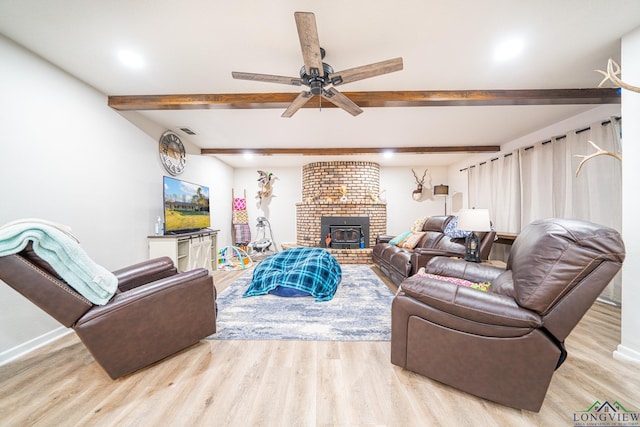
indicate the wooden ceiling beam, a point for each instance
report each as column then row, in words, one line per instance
column 444, row 98
column 351, row 151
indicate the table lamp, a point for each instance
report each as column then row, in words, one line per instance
column 473, row 220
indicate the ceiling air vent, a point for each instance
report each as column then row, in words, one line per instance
column 187, row 131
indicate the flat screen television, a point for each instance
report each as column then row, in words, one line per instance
column 186, row 206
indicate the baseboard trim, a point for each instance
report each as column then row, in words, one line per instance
column 33, row 344
column 625, row 354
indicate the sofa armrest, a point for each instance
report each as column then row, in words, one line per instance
column 144, row 272
column 421, row 257
column 385, row 238
column 471, row 304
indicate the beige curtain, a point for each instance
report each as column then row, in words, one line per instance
column 495, row 185
column 540, row 182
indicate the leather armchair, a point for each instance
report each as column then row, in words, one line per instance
column 504, row 345
column 155, row 312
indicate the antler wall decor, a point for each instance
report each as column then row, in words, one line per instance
column 612, row 73
column 599, row 152
column 417, row 193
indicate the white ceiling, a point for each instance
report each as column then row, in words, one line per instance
column 191, row 46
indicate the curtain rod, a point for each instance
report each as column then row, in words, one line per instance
column 603, row 123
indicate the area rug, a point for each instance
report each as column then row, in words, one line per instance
column 359, row 311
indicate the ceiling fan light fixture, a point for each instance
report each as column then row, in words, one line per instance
column 315, row 86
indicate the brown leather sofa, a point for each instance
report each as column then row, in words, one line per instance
column 155, row 312
column 504, row 345
column 399, row 263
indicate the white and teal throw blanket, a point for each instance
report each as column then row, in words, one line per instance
column 56, row 245
column 297, row 272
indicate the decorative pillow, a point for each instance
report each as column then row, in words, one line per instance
column 411, row 241
column 418, row 224
column 481, row 286
column 400, row 238
column 452, row 231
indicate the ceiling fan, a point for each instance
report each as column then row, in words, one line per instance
column 318, row 75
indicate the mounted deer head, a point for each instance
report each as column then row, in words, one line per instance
column 417, row 193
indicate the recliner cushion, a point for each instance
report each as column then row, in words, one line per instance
column 481, row 286
column 482, row 307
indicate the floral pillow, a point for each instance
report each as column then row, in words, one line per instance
column 452, row 231
column 481, row 286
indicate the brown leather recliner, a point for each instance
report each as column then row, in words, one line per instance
column 155, row 312
column 504, row 345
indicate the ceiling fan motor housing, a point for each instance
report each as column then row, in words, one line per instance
column 314, row 80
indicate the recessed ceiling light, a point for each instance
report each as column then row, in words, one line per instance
column 388, row 154
column 248, row 155
column 508, row 49
column 130, row 59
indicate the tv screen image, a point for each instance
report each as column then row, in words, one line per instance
column 186, row 206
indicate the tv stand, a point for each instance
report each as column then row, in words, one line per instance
column 187, row 250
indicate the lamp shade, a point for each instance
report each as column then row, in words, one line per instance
column 474, row 220
column 441, row 190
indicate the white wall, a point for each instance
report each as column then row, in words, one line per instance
column 280, row 208
column 629, row 348
column 69, row 158
column 399, row 183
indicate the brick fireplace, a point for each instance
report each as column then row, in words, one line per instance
column 342, row 190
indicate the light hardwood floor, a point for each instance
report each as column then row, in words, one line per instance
column 297, row 383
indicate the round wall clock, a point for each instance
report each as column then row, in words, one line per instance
column 172, row 153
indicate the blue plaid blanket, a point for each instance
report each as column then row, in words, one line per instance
column 311, row 270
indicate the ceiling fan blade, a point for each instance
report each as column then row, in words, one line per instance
column 366, row 71
column 297, row 103
column 295, row 81
column 309, row 43
column 339, row 100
